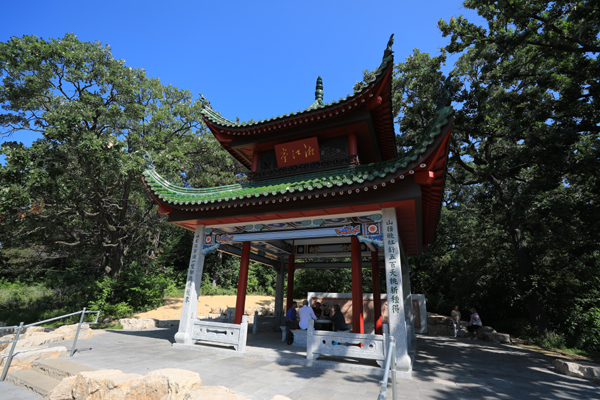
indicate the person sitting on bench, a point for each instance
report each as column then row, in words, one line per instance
column 339, row 322
column 306, row 314
column 291, row 322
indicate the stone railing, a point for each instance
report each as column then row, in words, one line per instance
column 223, row 333
column 263, row 323
column 346, row 344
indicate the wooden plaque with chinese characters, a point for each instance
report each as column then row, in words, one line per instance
column 298, row 152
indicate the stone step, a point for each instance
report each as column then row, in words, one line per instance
column 59, row 368
column 23, row 358
column 33, row 381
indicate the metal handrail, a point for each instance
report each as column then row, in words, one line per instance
column 389, row 362
column 21, row 326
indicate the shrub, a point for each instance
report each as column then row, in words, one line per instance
column 22, row 302
column 136, row 289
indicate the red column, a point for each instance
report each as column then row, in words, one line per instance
column 290, row 285
column 376, row 293
column 254, row 161
column 352, row 144
column 358, row 323
column 240, row 302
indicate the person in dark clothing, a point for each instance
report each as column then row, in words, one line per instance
column 339, row 322
column 291, row 322
column 317, row 309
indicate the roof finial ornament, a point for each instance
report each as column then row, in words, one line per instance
column 388, row 51
column 319, row 89
column 149, row 161
column 388, row 55
column 205, row 103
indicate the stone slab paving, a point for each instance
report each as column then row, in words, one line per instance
column 445, row 368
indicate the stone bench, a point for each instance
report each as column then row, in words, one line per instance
column 283, row 330
column 299, row 337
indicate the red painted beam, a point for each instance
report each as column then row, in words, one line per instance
column 425, row 177
column 164, row 210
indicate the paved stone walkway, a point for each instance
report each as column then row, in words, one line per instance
column 445, row 368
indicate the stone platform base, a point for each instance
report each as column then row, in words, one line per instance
column 299, row 359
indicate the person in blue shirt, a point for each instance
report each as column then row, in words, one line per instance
column 291, row 322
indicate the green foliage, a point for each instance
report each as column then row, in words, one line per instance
column 33, row 302
column 518, row 237
column 207, row 289
column 322, row 280
column 137, row 289
column 76, row 193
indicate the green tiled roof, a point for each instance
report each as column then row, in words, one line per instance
column 217, row 118
column 176, row 195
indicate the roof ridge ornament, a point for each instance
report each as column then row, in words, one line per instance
column 319, row 89
column 149, row 161
column 388, row 51
column 205, row 103
column 388, row 54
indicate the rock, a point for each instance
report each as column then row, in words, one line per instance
column 280, row 397
column 35, row 329
column 439, row 330
column 30, row 339
column 69, row 331
column 24, row 357
column 164, row 384
column 132, row 324
column 496, row 337
column 434, row 319
column 582, row 370
column 64, row 390
column 109, row 384
column 213, row 393
column 483, row 330
column 40, row 339
column 164, row 323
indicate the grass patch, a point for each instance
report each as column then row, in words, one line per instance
column 562, row 351
column 114, row 325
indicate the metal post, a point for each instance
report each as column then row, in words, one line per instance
column 77, row 334
column 10, row 355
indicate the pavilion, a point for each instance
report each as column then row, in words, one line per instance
column 326, row 182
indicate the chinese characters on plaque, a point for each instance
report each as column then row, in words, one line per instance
column 393, row 260
column 297, row 152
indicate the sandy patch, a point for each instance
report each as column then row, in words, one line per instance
column 172, row 307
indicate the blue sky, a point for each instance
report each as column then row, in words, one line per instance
column 249, row 59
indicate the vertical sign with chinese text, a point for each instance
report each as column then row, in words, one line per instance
column 297, row 152
column 393, row 276
column 192, row 289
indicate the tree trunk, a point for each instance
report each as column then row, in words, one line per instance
column 535, row 300
column 119, row 250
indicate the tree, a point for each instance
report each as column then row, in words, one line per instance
column 528, row 130
column 77, row 191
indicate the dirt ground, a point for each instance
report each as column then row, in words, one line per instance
column 172, row 307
